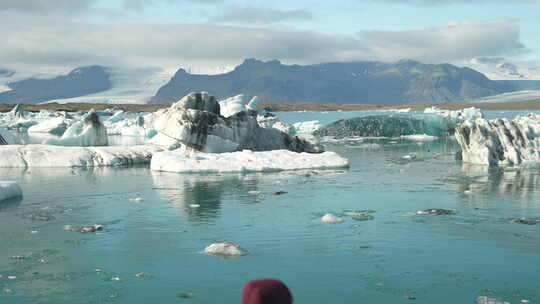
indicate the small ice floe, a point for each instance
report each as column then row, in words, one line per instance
column 142, row 275
column 409, row 297
column 254, row 192
column 67, row 227
column 12, row 277
column 194, row 206
column 436, row 212
column 524, row 221
column 116, row 279
column 90, row 229
column 225, row 249
column 8, row 290
column 525, row 301
column 33, row 231
column 185, row 295
column 329, row 218
column 359, row 215
column 409, row 157
column 18, row 257
column 45, row 217
column 468, row 192
column 136, row 199
column 279, row 192
column 486, row 300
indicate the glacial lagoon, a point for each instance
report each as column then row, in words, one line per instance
column 150, row 249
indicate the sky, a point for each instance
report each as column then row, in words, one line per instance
column 207, row 35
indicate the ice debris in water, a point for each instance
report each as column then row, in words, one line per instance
column 359, row 215
column 436, row 212
column 225, row 249
column 136, row 199
column 142, row 275
column 486, row 300
column 194, row 205
column 90, row 229
column 330, row 218
column 524, row 221
column 279, row 192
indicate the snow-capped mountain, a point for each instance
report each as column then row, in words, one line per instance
column 499, row 68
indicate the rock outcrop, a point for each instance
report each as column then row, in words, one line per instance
column 196, row 123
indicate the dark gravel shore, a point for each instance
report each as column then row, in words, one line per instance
column 287, row 107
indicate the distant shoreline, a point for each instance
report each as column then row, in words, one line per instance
column 285, row 107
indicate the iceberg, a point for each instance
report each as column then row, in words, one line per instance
column 500, row 141
column 29, row 156
column 56, row 126
column 471, row 113
column 182, row 161
column 88, row 132
column 195, row 122
column 9, row 190
column 306, row 127
column 6, row 138
column 390, row 125
column 237, row 104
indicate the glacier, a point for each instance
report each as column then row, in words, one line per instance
column 182, row 161
column 504, row 142
column 9, row 190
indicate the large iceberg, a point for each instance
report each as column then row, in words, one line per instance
column 28, row 156
column 9, row 190
column 237, row 104
column 391, row 125
column 182, row 161
column 88, row 132
column 195, row 122
column 500, row 141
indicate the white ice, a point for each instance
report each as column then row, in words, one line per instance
column 9, row 190
column 225, row 249
column 330, row 218
column 85, row 133
column 236, row 104
column 55, row 126
column 28, row 156
column 500, row 141
column 182, row 161
column 471, row 113
column 7, row 136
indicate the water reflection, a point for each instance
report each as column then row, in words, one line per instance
column 491, row 182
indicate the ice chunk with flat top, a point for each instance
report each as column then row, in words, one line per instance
column 225, row 249
column 183, row 161
column 9, row 190
column 29, row 156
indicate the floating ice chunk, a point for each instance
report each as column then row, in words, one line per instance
column 88, row 132
column 55, row 126
column 28, row 156
column 91, row 229
column 136, row 199
column 6, row 138
column 194, row 121
column 524, row 221
column 486, row 300
column 194, row 205
column 436, row 212
column 471, row 113
column 329, row 218
column 225, row 249
column 500, row 141
column 182, row 161
column 359, row 215
column 9, row 190
column 306, row 127
column 420, row 137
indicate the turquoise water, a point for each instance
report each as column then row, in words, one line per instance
column 436, row 259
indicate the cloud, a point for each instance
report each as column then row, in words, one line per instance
column 446, row 2
column 142, row 4
column 251, row 14
column 41, row 6
column 170, row 45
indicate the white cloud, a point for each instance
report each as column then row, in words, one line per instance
column 251, row 14
column 71, row 45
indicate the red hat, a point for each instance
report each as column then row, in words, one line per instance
column 267, row 291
